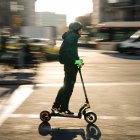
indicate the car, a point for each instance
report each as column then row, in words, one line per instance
column 46, row 46
column 19, row 51
column 43, row 45
column 86, row 40
column 131, row 45
column 43, row 41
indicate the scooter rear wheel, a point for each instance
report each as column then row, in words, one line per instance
column 90, row 117
column 45, row 116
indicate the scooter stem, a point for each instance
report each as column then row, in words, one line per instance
column 86, row 98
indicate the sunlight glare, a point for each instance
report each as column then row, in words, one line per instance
column 71, row 8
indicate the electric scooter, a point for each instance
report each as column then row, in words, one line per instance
column 89, row 116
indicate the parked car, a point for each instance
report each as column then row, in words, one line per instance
column 19, row 53
column 131, row 45
column 43, row 40
column 24, row 51
column 44, row 45
column 87, row 40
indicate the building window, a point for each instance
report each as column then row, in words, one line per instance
column 116, row 1
column 13, row 6
column 112, row 1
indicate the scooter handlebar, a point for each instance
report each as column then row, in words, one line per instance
column 79, row 67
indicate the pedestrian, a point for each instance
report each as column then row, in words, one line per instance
column 68, row 56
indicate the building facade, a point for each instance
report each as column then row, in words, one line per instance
column 15, row 13
column 98, row 12
column 51, row 19
column 115, row 10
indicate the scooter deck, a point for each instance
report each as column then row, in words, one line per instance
column 75, row 115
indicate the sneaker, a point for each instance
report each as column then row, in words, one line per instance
column 68, row 112
column 55, row 110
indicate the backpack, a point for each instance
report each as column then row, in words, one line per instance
column 61, row 55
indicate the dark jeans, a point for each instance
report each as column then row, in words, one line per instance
column 65, row 92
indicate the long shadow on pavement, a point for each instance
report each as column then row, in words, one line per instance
column 92, row 132
column 8, row 90
column 124, row 56
column 17, row 78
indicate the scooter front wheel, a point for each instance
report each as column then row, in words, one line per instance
column 45, row 116
column 90, row 117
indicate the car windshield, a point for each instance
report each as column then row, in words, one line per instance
column 134, row 38
column 11, row 41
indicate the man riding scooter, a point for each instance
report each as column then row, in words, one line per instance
column 68, row 56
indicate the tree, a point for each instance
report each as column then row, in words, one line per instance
column 85, row 20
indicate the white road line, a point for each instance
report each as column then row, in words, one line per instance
column 134, row 118
column 17, row 98
column 94, row 84
column 20, row 95
column 36, row 116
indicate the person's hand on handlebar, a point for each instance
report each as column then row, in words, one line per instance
column 79, row 62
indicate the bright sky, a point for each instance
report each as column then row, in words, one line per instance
column 71, row 8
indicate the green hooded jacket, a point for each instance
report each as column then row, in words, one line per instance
column 69, row 49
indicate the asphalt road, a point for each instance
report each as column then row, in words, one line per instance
column 112, row 83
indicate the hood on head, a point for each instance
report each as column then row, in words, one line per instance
column 75, row 26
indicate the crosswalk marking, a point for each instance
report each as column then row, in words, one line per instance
column 94, row 84
column 17, row 98
column 20, row 95
column 36, row 116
